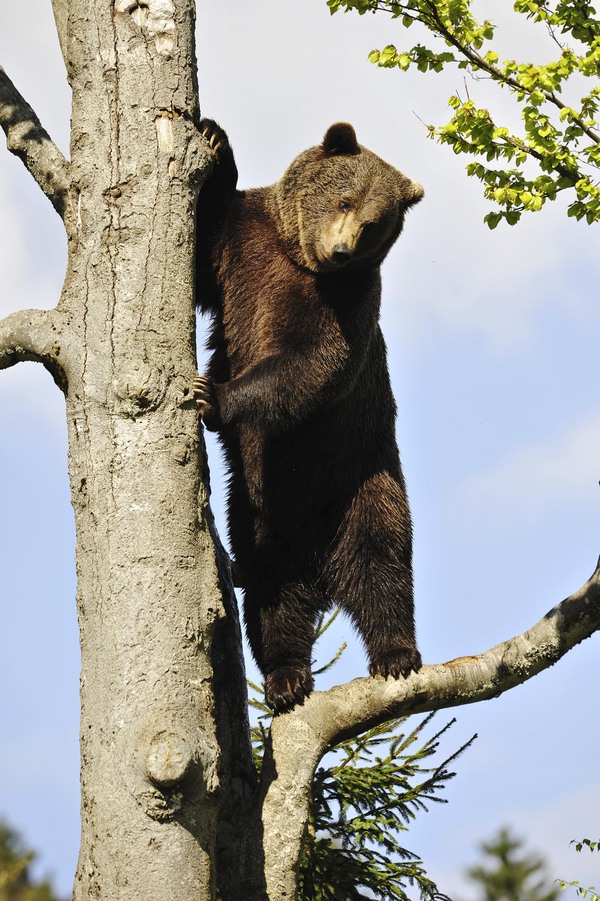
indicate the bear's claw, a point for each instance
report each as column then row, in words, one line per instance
column 206, row 401
column 399, row 662
column 287, row 686
column 214, row 134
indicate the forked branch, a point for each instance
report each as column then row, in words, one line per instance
column 300, row 738
column 27, row 139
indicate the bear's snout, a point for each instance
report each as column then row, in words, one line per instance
column 341, row 252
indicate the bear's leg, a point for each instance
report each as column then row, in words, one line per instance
column 370, row 572
column 280, row 626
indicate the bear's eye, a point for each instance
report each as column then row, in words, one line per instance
column 345, row 205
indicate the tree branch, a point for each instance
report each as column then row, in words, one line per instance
column 437, row 26
column 27, row 139
column 61, row 15
column 348, row 710
column 480, row 63
column 300, row 738
column 33, row 335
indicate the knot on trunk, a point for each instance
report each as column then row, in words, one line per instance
column 169, row 759
column 139, row 388
column 170, row 767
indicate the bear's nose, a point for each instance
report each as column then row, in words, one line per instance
column 341, row 253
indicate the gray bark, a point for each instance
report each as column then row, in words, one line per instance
column 60, row 8
column 147, row 606
column 159, row 734
column 169, row 800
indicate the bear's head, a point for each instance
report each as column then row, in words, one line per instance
column 340, row 206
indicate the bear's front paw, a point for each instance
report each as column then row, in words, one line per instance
column 207, row 402
column 401, row 661
column 287, row 686
column 215, row 136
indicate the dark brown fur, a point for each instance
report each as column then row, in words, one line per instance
column 299, row 392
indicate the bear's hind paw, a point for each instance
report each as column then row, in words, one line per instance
column 287, row 686
column 400, row 661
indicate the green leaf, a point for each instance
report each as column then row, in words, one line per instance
column 492, row 219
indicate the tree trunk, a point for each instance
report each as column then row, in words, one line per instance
column 121, row 345
column 148, row 589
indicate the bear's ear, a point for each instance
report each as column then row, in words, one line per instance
column 412, row 192
column 340, row 139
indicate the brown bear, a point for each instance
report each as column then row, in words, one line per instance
column 299, row 392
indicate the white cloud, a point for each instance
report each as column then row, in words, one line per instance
column 535, row 480
column 450, row 272
column 32, row 253
column 29, row 390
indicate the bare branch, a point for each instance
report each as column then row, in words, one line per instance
column 61, row 15
column 27, row 139
column 33, row 335
column 300, row 738
column 348, row 710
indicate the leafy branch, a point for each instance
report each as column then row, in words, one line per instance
column 559, row 147
column 589, row 893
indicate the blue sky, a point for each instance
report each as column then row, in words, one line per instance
column 492, row 342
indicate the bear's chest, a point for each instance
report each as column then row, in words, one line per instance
column 271, row 307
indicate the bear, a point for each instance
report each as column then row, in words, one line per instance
column 298, row 390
